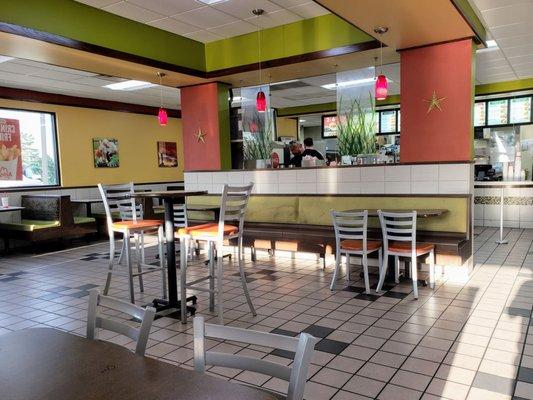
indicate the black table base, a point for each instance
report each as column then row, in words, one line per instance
column 162, row 305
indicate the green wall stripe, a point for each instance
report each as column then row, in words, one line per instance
column 507, row 86
column 309, row 35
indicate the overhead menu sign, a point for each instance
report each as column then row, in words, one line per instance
column 480, row 110
column 387, row 123
column 520, row 110
column 497, row 112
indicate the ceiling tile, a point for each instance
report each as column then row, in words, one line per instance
column 174, row 26
column 289, row 3
column 204, row 36
column 518, row 50
column 242, row 9
column 275, row 18
column 516, row 29
column 514, row 41
column 98, row 3
column 133, row 12
column 233, row 29
column 484, row 5
column 309, row 10
column 205, row 17
column 509, row 14
column 168, row 7
column 521, row 59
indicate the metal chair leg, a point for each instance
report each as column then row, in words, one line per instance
column 183, row 278
column 220, row 280
column 347, row 257
column 111, row 261
column 432, row 269
column 211, row 256
column 130, row 268
column 243, row 279
column 414, row 276
column 365, row 272
column 383, row 271
column 337, row 268
column 396, row 269
column 160, row 240
column 138, row 261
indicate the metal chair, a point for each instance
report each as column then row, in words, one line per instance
column 351, row 239
column 296, row 374
column 399, row 240
column 232, row 209
column 117, row 198
column 96, row 321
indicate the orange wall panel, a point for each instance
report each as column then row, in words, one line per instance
column 199, row 110
column 445, row 135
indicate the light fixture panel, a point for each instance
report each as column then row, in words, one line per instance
column 129, row 85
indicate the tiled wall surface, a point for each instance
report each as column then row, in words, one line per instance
column 85, row 193
column 515, row 215
column 390, row 179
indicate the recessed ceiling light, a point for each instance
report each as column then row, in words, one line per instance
column 492, row 43
column 356, row 82
column 302, row 121
column 284, row 82
column 211, row 2
column 129, row 85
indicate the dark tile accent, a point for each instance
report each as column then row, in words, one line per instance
column 494, row 383
column 17, row 273
column 89, row 258
column 50, row 296
column 282, row 353
column 520, row 312
column 250, row 280
column 386, row 286
column 80, row 294
column 265, row 271
column 246, row 274
column 268, row 278
column 396, row 295
column 368, row 297
column 56, row 289
column 87, row 286
column 525, row 374
column 279, row 331
column 354, row 289
column 318, row 331
column 10, row 279
column 94, row 254
column 331, row 346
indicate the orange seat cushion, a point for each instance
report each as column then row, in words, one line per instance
column 357, row 245
column 139, row 225
column 405, row 247
column 207, row 230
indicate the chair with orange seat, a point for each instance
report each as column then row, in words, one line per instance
column 230, row 225
column 399, row 240
column 117, row 198
column 351, row 239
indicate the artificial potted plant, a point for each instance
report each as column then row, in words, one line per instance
column 257, row 140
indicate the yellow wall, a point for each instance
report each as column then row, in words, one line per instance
column 287, row 127
column 137, row 136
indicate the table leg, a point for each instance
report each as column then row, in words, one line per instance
column 89, row 210
column 501, row 241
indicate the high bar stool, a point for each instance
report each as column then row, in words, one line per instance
column 399, row 240
column 232, row 209
column 117, row 197
column 351, row 239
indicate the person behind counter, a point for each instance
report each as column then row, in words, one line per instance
column 310, row 150
column 296, row 151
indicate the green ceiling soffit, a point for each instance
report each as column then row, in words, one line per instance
column 306, row 36
column 502, row 87
column 78, row 21
column 464, row 7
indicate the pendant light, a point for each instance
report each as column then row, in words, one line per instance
column 260, row 101
column 381, row 80
column 162, row 116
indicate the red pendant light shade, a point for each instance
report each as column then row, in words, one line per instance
column 162, row 117
column 381, row 87
column 261, row 101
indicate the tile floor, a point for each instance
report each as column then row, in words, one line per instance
column 461, row 341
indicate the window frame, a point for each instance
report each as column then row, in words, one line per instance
column 56, row 150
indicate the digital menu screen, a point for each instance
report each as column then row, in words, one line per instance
column 329, row 126
column 520, row 110
column 399, row 120
column 387, row 121
column 480, row 110
column 497, row 112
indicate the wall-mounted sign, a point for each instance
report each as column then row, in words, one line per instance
column 520, row 108
column 329, row 126
column 497, row 111
column 105, row 153
column 10, row 150
column 167, row 154
column 387, row 121
column 480, row 113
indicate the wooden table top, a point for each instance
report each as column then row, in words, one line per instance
column 421, row 213
column 44, row 364
column 10, row 208
column 169, row 194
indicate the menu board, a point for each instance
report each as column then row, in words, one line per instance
column 520, row 110
column 497, row 112
column 480, row 110
column 399, row 120
column 387, row 121
column 329, row 126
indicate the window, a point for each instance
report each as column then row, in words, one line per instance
column 28, row 149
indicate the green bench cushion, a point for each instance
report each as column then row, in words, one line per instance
column 83, row 220
column 28, row 225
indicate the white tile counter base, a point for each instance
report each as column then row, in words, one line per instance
column 384, row 179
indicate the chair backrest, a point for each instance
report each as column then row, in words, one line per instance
column 398, row 226
column 296, row 375
column 233, row 206
column 131, row 211
column 180, row 216
column 95, row 320
column 350, row 225
column 116, row 197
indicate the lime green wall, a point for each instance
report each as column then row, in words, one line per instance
column 77, row 21
column 508, row 86
column 320, row 33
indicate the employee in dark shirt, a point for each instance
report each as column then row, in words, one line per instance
column 310, row 150
column 296, row 150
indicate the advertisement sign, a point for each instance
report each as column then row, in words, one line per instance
column 167, row 154
column 10, row 150
column 329, row 126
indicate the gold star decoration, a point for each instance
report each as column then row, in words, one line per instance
column 200, row 136
column 434, row 102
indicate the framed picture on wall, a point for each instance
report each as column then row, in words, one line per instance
column 105, row 151
column 167, row 154
column 329, row 126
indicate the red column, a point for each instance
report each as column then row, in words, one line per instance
column 439, row 135
column 205, row 125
